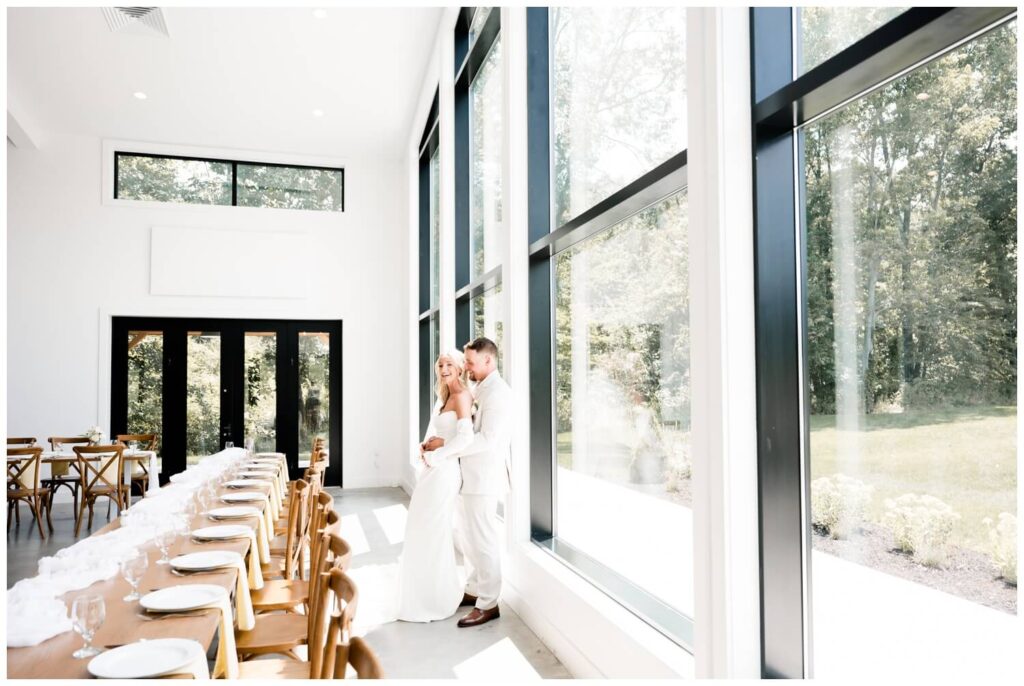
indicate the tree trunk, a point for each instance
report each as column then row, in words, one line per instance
column 869, row 333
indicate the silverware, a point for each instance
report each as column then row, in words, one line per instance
column 172, row 615
column 176, row 572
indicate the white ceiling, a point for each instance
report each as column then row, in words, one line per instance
column 246, row 78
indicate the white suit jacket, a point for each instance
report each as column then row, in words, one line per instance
column 485, row 456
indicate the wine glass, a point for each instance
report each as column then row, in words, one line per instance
column 133, row 446
column 58, row 447
column 87, row 615
column 164, row 539
column 228, row 445
column 132, row 570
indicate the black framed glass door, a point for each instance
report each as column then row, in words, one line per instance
column 200, row 382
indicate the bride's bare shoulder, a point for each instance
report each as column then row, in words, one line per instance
column 463, row 402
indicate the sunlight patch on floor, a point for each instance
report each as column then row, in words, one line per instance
column 392, row 521
column 500, row 661
column 352, row 532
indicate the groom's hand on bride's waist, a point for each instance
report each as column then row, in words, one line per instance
column 432, row 443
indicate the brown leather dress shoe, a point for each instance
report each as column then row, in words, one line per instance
column 468, row 600
column 478, row 617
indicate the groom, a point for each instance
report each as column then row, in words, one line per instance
column 485, row 478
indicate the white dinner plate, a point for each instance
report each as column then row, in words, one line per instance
column 258, row 474
column 243, row 497
column 207, row 559
column 146, row 659
column 236, row 512
column 239, row 483
column 221, row 532
column 182, row 598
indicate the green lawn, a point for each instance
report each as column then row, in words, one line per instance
column 966, row 457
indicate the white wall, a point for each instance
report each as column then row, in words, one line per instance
column 74, row 261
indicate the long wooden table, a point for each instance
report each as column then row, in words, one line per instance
column 52, row 659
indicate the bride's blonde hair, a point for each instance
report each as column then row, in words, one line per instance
column 459, row 361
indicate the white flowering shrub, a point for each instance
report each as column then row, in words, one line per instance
column 679, row 465
column 1003, row 537
column 839, row 504
column 922, row 526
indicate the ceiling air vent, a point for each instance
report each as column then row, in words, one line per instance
column 138, row 20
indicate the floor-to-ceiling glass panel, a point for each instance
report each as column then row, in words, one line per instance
column 203, row 390
column 618, row 89
column 485, row 143
column 911, row 225
column 259, row 390
column 145, row 382
column 824, row 32
column 623, row 489
column 488, row 321
column 314, row 391
column 435, row 226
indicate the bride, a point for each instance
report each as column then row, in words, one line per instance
column 429, row 583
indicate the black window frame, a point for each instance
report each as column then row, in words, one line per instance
column 429, row 313
column 545, row 242
column 118, row 154
column 469, row 58
column 781, row 103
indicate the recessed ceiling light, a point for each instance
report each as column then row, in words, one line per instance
column 139, row 95
column 318, row 113
column 320, row 13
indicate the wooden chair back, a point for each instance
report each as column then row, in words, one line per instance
column 298, row 521
column 362, row 658
column 147, row 441
column 322, row 504
column 62, row 468
column 344, row 600
column 24, row 474
column 105, row 472
column 25, row 442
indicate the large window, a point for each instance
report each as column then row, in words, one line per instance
column 429, row 261
column 196, row 181
column 479, row 226
column 887, row 250
column 610, row 408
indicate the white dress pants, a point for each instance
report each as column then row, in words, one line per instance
column 480, row 543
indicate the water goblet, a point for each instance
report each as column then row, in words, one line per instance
column 132, row 569
column 164, row 540
column 133, row 446
column 228, row 445
column 87, row 615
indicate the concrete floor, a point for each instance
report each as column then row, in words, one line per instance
column 373, row 522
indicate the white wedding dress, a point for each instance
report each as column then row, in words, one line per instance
column 425, row 585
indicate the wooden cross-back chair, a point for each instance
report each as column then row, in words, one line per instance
column 65, row 473
column 140, row 470
column 102, row 470
column 283, row 633
column 357, row 653
column 23, row 484
column 287, row 560
column 15, row 442
column 290, row 594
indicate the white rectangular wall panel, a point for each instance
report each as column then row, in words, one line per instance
column 229, row 263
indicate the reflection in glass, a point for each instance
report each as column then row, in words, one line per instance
column 623, row 400
column 485, row 164
column 202, row 388
column 259, row 388
column 294, row 188
column 314, row 391
column 173, row 180
column 618, row 86
column 911, row 222
column 826, row 31
column 435, row 224
column 479, row 19
column 487, row 321
column 145, row 382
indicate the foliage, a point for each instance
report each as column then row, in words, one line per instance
column 839, row 504
column 921, row 525
column 145, row 383
column 911, row 238
column 1003, row 537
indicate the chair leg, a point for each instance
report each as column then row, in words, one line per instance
column 92, row 503
column 78, row 518
column 10, row 511
column 35, row 502
column 49, row 510
column 17, row 512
